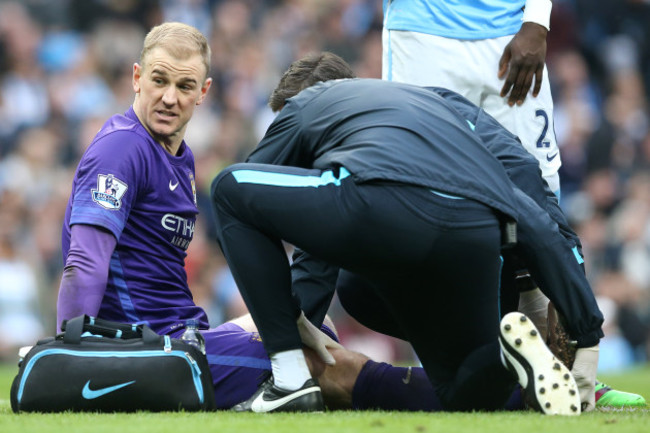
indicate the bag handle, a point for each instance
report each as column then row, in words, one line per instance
column 75, row 327
column 149, row 336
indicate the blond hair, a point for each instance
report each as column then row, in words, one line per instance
column 178, row 39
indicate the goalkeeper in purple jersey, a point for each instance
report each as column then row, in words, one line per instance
column 132, row 210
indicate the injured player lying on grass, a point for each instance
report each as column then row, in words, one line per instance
column 357, row 382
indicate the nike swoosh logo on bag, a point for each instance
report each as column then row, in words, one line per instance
column 90, row 394
column 407, row 379
column 550, row 158
column 261, row 405
column 172, row 186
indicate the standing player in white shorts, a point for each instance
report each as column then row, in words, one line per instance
column 462, row 45
column 493, row 53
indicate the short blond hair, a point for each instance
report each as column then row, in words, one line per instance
column 180, row 40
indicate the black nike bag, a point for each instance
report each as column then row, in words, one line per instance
column 102, row 366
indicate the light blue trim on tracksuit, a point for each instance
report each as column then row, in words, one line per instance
column 577, row 255
column 289, row 180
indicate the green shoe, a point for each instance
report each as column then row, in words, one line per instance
column 608, row 397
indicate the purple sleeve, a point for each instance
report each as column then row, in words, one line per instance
column 108, row 181
column 86, row 272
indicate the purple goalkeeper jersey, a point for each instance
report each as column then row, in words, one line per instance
column 129, row 185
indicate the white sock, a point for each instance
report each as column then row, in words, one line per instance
column 534, row 304
column 290, row 369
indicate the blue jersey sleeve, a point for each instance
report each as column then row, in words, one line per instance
column 107, row 182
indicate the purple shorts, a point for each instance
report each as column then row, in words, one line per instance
column 238, row 362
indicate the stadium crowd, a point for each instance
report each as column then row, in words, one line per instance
column 64, row 69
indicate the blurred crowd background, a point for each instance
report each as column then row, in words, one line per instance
column 65, row 67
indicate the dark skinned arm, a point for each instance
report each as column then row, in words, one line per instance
column 522, row 61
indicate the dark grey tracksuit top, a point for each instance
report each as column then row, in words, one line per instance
column 435, row 138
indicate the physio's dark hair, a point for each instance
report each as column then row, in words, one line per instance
column 306, row 72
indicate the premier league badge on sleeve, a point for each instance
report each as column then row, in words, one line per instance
column 109, row 191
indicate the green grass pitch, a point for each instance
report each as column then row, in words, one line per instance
column 613, row 421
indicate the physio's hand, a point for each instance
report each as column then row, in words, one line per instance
column 313, row 338
column 522, row 60
column 584, row 372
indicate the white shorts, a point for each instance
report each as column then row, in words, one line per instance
column 469, row 67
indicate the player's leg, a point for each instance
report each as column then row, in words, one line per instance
column 356, row 382
column 381, row 230
column 396, row 233
column 449, row 314
column 238, row 363
column 361, row 300
column 337, row 381
column 256, row 207
column 383, row 386
column 444, row 303
column 347, row 225
column 344, row 224
column 334, row 221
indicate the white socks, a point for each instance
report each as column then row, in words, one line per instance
column 290, row 370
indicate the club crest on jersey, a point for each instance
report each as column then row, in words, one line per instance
column 191, row 175
column 109, row 191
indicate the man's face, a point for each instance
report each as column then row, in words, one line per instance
column 167, row 91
